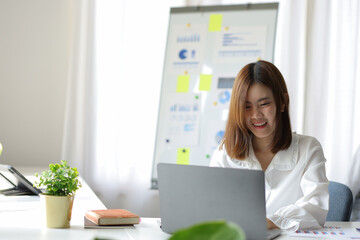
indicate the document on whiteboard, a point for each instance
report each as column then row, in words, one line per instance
column 182, row 120
column 245, row 43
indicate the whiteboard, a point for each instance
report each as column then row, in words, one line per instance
column 206, row 48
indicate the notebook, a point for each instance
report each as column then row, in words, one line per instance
column 192, row 194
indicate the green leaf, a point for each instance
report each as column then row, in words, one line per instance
column 214, row 230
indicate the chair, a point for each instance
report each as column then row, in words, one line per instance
column 340, row 202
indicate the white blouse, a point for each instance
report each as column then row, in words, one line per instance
column 296, row 185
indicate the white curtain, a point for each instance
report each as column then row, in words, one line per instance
column 80, row 119
column 317, row 49
column 114, row 89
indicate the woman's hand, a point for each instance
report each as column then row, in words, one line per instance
column 270, row 224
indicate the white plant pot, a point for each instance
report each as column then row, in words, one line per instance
column 57, row 210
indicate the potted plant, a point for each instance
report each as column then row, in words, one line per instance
column 61, row 182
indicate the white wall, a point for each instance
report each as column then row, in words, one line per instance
column 34, row 43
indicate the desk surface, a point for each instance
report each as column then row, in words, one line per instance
column 21, row 218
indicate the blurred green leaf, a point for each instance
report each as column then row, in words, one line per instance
column 215, row 230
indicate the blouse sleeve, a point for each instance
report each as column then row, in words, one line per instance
column 310, row 211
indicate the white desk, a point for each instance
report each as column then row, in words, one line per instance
column 20, row 218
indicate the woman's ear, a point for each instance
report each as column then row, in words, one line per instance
column 286, row 98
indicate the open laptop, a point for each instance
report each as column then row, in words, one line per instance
column 192, row 194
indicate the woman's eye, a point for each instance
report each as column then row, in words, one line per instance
column 264, row 104
column 247, row 107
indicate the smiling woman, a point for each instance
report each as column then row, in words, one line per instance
column 258, row 136
column 257, row 84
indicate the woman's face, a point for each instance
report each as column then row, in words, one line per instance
column 260, row 111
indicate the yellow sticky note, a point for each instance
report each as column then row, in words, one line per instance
column 205, row 82
column 183, row 83
column 215, row 22
column 183, row 155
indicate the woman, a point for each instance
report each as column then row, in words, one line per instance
column 258, row 136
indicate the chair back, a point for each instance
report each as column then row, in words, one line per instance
column 340, row 202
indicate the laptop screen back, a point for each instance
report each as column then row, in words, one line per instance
column 194, row 194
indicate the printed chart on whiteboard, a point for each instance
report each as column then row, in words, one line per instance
column 206, row 48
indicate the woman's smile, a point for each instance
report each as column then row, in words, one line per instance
column 260, row 125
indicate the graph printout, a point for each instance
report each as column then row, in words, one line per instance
column 328, row 232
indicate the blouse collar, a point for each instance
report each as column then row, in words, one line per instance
column 283, row 160
column 286, row 159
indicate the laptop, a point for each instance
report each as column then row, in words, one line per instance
column 192, row 194
column 13, row 183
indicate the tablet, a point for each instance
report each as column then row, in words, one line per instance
column 13, row 183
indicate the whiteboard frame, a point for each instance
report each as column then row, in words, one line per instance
column 200, row 10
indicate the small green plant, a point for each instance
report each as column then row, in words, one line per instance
column 59, row 179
